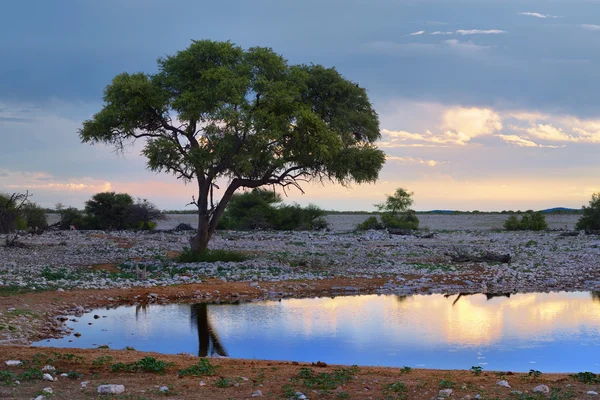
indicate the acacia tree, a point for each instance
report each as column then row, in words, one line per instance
column 218, row 112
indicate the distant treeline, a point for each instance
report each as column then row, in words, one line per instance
column 558, row 210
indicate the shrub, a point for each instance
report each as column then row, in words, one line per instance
column 34, row 216
column 71, row 217
column 262, row 209
column 370, row 223
column 109, row 210
column 530, row 221
column 17, row 212
column 203, row 368
column 590, row 220
column 395, row 212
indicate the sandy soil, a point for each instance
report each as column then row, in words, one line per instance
column 275, row 380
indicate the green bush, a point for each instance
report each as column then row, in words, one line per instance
column 590, row 220
column 530, row 221
column 111, row 211
column 17, row 212
column 262, row 209
column 34, row 216
column 395, row 212
column 370, row 223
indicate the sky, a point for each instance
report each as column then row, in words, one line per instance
column 484, row 104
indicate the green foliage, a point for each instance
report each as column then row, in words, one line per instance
column 74, row 375
column 476, row 370
column 146, row 364
column 262, row 209
column 245, row 116
column 18, row 212
column 208, row 255
column 327, row 381
column 223, row 383
column 530, row 221
column 203, row 368
column 398, row 390
column 34, row 216
column 395, row 212
column 71, row 217
column 109, row 210
column 405, row 370
column 590, row 220
column 446, row 384
column 102, row 360
column 370, row 223
column 534, row 373
column 586, row 377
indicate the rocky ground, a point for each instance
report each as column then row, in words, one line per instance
column 59, row 275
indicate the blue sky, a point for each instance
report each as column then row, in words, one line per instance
column 488, row 104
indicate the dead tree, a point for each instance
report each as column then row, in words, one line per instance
column 10, row 208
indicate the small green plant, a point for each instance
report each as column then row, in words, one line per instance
column 476, row 370
column 146, row 364
column 74, row 375
column 6, row 377
column 406, row 370
column 397, row 390
column 343, row 395
column 32, row 374
column 103, row 346
column 203, row 368
column 223, row 383
column 216, row 255
column 534, row 373
column 447, row 384
column 102, row 360
column 327, row 381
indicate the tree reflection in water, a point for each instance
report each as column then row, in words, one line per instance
column 208, row 340
column 488, row 296
column 595, row 296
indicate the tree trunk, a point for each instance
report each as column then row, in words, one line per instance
column 199, row 242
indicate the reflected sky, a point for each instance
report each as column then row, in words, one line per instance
column 550, row 332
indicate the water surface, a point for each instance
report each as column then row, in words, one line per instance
column 550, row 332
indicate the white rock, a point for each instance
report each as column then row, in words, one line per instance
column 64, row 375
column 13, row 363
column 503, row 383
column 592, row 393
column 48, row 377
column 301, row 396
column 257, row 393
column 40, row 397
column 541, row 389
column 163, row 389
column 48, row 368
column 60, row 290
column 111, row 389
column 202, row 383
column 84, row 384
column 445, row 392
column 47, row 390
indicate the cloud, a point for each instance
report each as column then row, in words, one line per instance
column 464, row 46
column 414, row 160
column 25, row 180
column 442, row 33
column 537, row 15
column 417, row 33
column 590, row 27
column 519, row 141
column 480, row 32
column 472, row 122
column 550, row 133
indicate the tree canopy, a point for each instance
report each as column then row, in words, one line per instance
column 215, row 110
